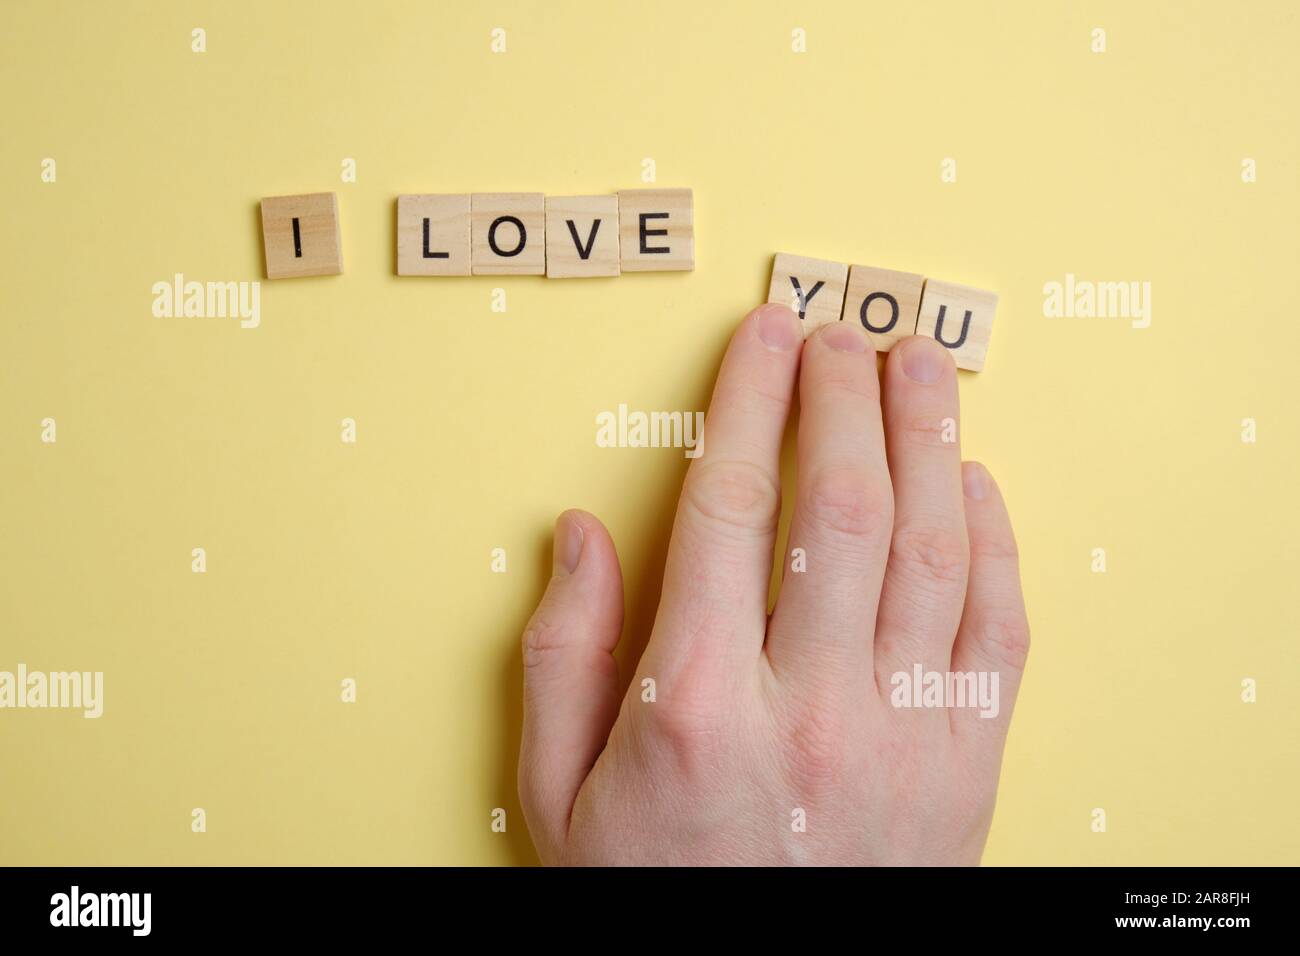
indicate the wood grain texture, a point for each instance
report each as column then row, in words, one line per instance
column 885, row 302
column 961, row 318
column 315, row 250
column 581, row 236
column 812, row 288
column 656, row 230
column 507, row 234
column 440, row 248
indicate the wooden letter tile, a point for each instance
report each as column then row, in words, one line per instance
column 508, row 234
column 301, row 236
column 656, row 230
column 885, row 302
column 433, row 235
column 960, row 318
column 812, row 288
column 581, row 236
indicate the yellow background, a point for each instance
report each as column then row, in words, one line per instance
column 328, row 560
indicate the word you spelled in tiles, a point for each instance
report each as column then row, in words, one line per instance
column 890, row 305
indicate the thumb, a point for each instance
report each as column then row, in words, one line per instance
column 571, row 696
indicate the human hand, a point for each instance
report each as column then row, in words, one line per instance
column 762, row 722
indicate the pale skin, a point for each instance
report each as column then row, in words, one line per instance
column 759, row 720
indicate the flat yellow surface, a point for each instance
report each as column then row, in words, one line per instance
column 371, row 561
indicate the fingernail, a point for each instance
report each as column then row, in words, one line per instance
column 974, row 480
column 923, row 360
column 567, row 550
column 779, row 328
column 845, row 337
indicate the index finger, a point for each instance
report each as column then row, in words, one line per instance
column 720, row 557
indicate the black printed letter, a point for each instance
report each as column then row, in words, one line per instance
column 591, row 239
column 645, row 250
column 427, row 253
column 492, row 236
column 805, row 299
column 893, row 319
column 938, row 329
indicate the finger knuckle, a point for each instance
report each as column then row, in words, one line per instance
column 755, row 397
column 817, row 750
column 844, row 499
column 939, row 555
column 555, row 655
column 684, row 724
column 1004, row 638
column 736, row 496
column 689, row 731
column 999, row 547
column 837, row 382
column 543, row 640
column 933, row 430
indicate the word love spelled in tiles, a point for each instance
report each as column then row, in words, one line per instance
column 563, row 237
